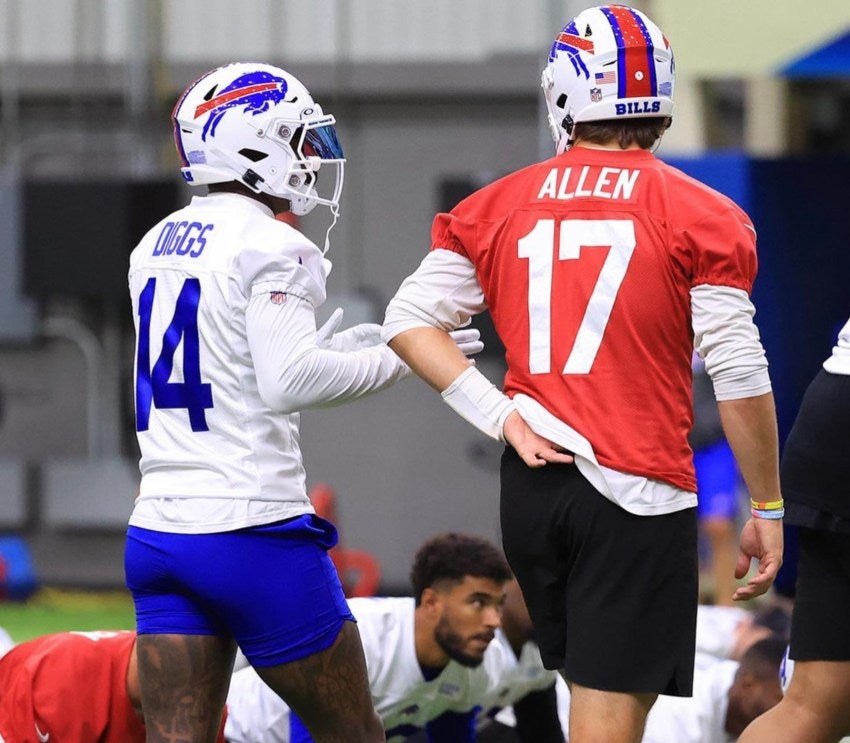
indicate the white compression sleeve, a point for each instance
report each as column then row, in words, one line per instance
column 476, row 399
column 443, row 292
column 728, row 339
column 294, row 374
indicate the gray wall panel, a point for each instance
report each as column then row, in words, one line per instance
column 402, row 154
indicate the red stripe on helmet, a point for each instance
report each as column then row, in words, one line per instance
column 635, row 54
column 232, row 95
column 579, row 42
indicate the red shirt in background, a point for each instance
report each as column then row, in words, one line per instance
column 70, row 687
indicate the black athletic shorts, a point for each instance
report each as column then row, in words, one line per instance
column 613, row 596
column 822, row 598
column 815, row 470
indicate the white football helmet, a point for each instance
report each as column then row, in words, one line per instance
column 609, row 62
column 257, row 124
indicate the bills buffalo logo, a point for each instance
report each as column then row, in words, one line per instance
column 569, row 42
column 255, row 93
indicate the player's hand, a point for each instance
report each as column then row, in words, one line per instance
column 364, row 335
column 534, row 449
column 761, row 539
column 468, row 340
column 325, row 334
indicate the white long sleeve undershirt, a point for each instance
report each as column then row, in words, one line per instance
column 294, row 373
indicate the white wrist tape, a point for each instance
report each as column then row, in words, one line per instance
column 476, row 399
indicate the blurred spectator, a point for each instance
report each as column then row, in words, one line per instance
column 718, row 492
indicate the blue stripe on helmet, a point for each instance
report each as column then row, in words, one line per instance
column 575, row 57
column 621, row 57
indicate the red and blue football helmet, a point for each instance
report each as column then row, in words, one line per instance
column 609, row 62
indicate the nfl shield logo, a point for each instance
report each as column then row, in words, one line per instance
column 277, row 297
column 595, row 95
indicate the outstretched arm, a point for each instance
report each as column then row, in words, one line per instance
column 434, row 356
column 297, row 367
column 728, row 340
column 749, row 424
column 444, row 293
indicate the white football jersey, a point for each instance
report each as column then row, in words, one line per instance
column 517, row 676
column 839, row 362
column 717, row 629
column 224, row 300
column 697, row 719
column 255, row 714
column 6, row 642
column 402, row 696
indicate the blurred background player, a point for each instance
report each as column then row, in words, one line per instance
column 601, row 269
column 816, row 481
column 223, row 545
column 6, row 642
column 73, row 686
column 425, row 654
column 728, row 695
column 523, row 707
column 727, row 631
column 718, row 493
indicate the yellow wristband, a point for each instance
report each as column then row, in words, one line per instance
column 767, row 506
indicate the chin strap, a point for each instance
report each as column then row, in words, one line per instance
column 568, row 135
column 335, row 211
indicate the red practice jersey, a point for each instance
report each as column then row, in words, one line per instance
column 586, row 261
column 69, row 687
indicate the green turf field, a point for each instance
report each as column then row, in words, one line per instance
column 54, row 610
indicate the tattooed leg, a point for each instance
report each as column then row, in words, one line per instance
column 330, row 691
column 184, row 681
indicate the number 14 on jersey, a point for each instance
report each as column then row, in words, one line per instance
column 152, row 385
